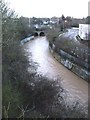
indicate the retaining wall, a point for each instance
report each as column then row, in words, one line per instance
column 67, row 60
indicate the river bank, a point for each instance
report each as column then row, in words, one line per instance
column 70, row 52
column 67, row 60
column 76, row 87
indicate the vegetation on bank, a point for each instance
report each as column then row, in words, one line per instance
column 77, row 48
column 74, row 47
column 28, row 95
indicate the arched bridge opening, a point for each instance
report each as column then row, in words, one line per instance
column 41, row 34
column 36, row 34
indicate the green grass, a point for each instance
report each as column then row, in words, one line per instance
column 12, row 98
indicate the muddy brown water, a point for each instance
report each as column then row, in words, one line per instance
column 76, row 87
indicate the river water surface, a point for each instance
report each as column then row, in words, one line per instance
column 75, row 86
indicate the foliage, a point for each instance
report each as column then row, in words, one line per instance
column 23, row 27
column 13, row 61
column 36, row 21
column 88, row 20
column 63, row 17
column 52, row 34
column 72, row 47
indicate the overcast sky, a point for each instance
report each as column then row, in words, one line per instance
column 50, row 8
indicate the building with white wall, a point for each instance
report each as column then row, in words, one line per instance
column 84, row 31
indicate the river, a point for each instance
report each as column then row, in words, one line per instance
column 76, row 87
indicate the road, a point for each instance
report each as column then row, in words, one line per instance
column 71, row 34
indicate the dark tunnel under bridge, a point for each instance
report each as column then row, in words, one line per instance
column 40, row 33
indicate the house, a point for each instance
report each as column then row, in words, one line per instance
column 84, row 31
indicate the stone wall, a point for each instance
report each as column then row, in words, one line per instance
column 81, row 71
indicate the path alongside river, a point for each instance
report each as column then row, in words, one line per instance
column 76, row 87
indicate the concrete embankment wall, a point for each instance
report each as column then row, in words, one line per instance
column 68, row 61
column 22, row 42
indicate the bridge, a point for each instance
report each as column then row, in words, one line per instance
column 39, row 33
